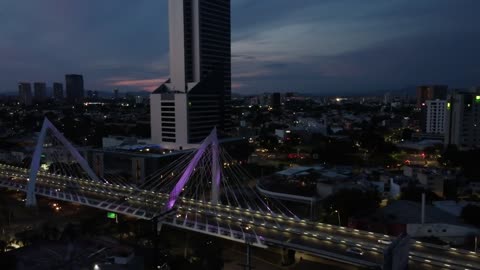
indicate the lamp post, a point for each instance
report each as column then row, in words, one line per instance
column 476, row 243
column 338, row 216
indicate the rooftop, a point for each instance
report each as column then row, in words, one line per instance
column 300, row 170
column 408, row 212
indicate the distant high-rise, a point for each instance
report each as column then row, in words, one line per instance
column 436, row 116
column 387, row 98
column 74, row 87
column 115, row 93
column 90, row 94
column 40, row 92
column 197, row 97
column 275, row 101
column 430, row 92
column 58, row 91
column 25, row 93
column 463, row 119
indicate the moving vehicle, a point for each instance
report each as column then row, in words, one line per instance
column 385, row 241
column 355, row 250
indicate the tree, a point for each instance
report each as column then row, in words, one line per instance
column 3, row 246
column 350, row 202
column 268, row 141
column 335, row 151
column 210, row 253
column 407, row 134
column 467, row 160
column 471, row 214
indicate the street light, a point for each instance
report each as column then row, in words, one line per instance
column 338, row 215
column 476, row 243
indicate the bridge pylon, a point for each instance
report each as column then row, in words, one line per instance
column 211, row 141
column 37, row 155
column 31, row 200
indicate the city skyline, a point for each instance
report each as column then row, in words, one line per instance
column 316, row 47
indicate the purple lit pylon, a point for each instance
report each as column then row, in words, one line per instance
column 210, row 140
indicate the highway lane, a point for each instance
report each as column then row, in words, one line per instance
column 278, row 224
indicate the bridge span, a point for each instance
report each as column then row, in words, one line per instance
column 207, row 192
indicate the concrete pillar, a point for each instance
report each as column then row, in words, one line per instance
column 138, row 170
column 423, row 209
column 314, row 210
column 216, row 169
column 248, row 259
column 98, row 164
column 288, row 256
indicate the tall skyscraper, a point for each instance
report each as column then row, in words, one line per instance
column 40, row 92
column 197, row 97
column 58, row 91
column 436, row 116
column 25, row 93
column 463, row 119
column 74, row 87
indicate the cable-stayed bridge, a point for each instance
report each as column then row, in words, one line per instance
column 208, row 192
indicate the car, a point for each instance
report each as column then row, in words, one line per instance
column 355, row 250
column 384, row 241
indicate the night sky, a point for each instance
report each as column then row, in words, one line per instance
column 314, row 46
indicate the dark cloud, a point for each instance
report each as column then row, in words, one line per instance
column 423, row 59
column 243, row 57
column 306, row 45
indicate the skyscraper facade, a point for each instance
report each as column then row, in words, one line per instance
column 74, row 88
column 25, row 93
column 463, row 119
column 436, row 116
column 58, row 91
column 197, row 96
column 40, row 92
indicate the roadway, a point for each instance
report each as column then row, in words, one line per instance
column 240, row 224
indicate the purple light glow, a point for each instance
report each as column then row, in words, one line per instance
column 189, row 170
